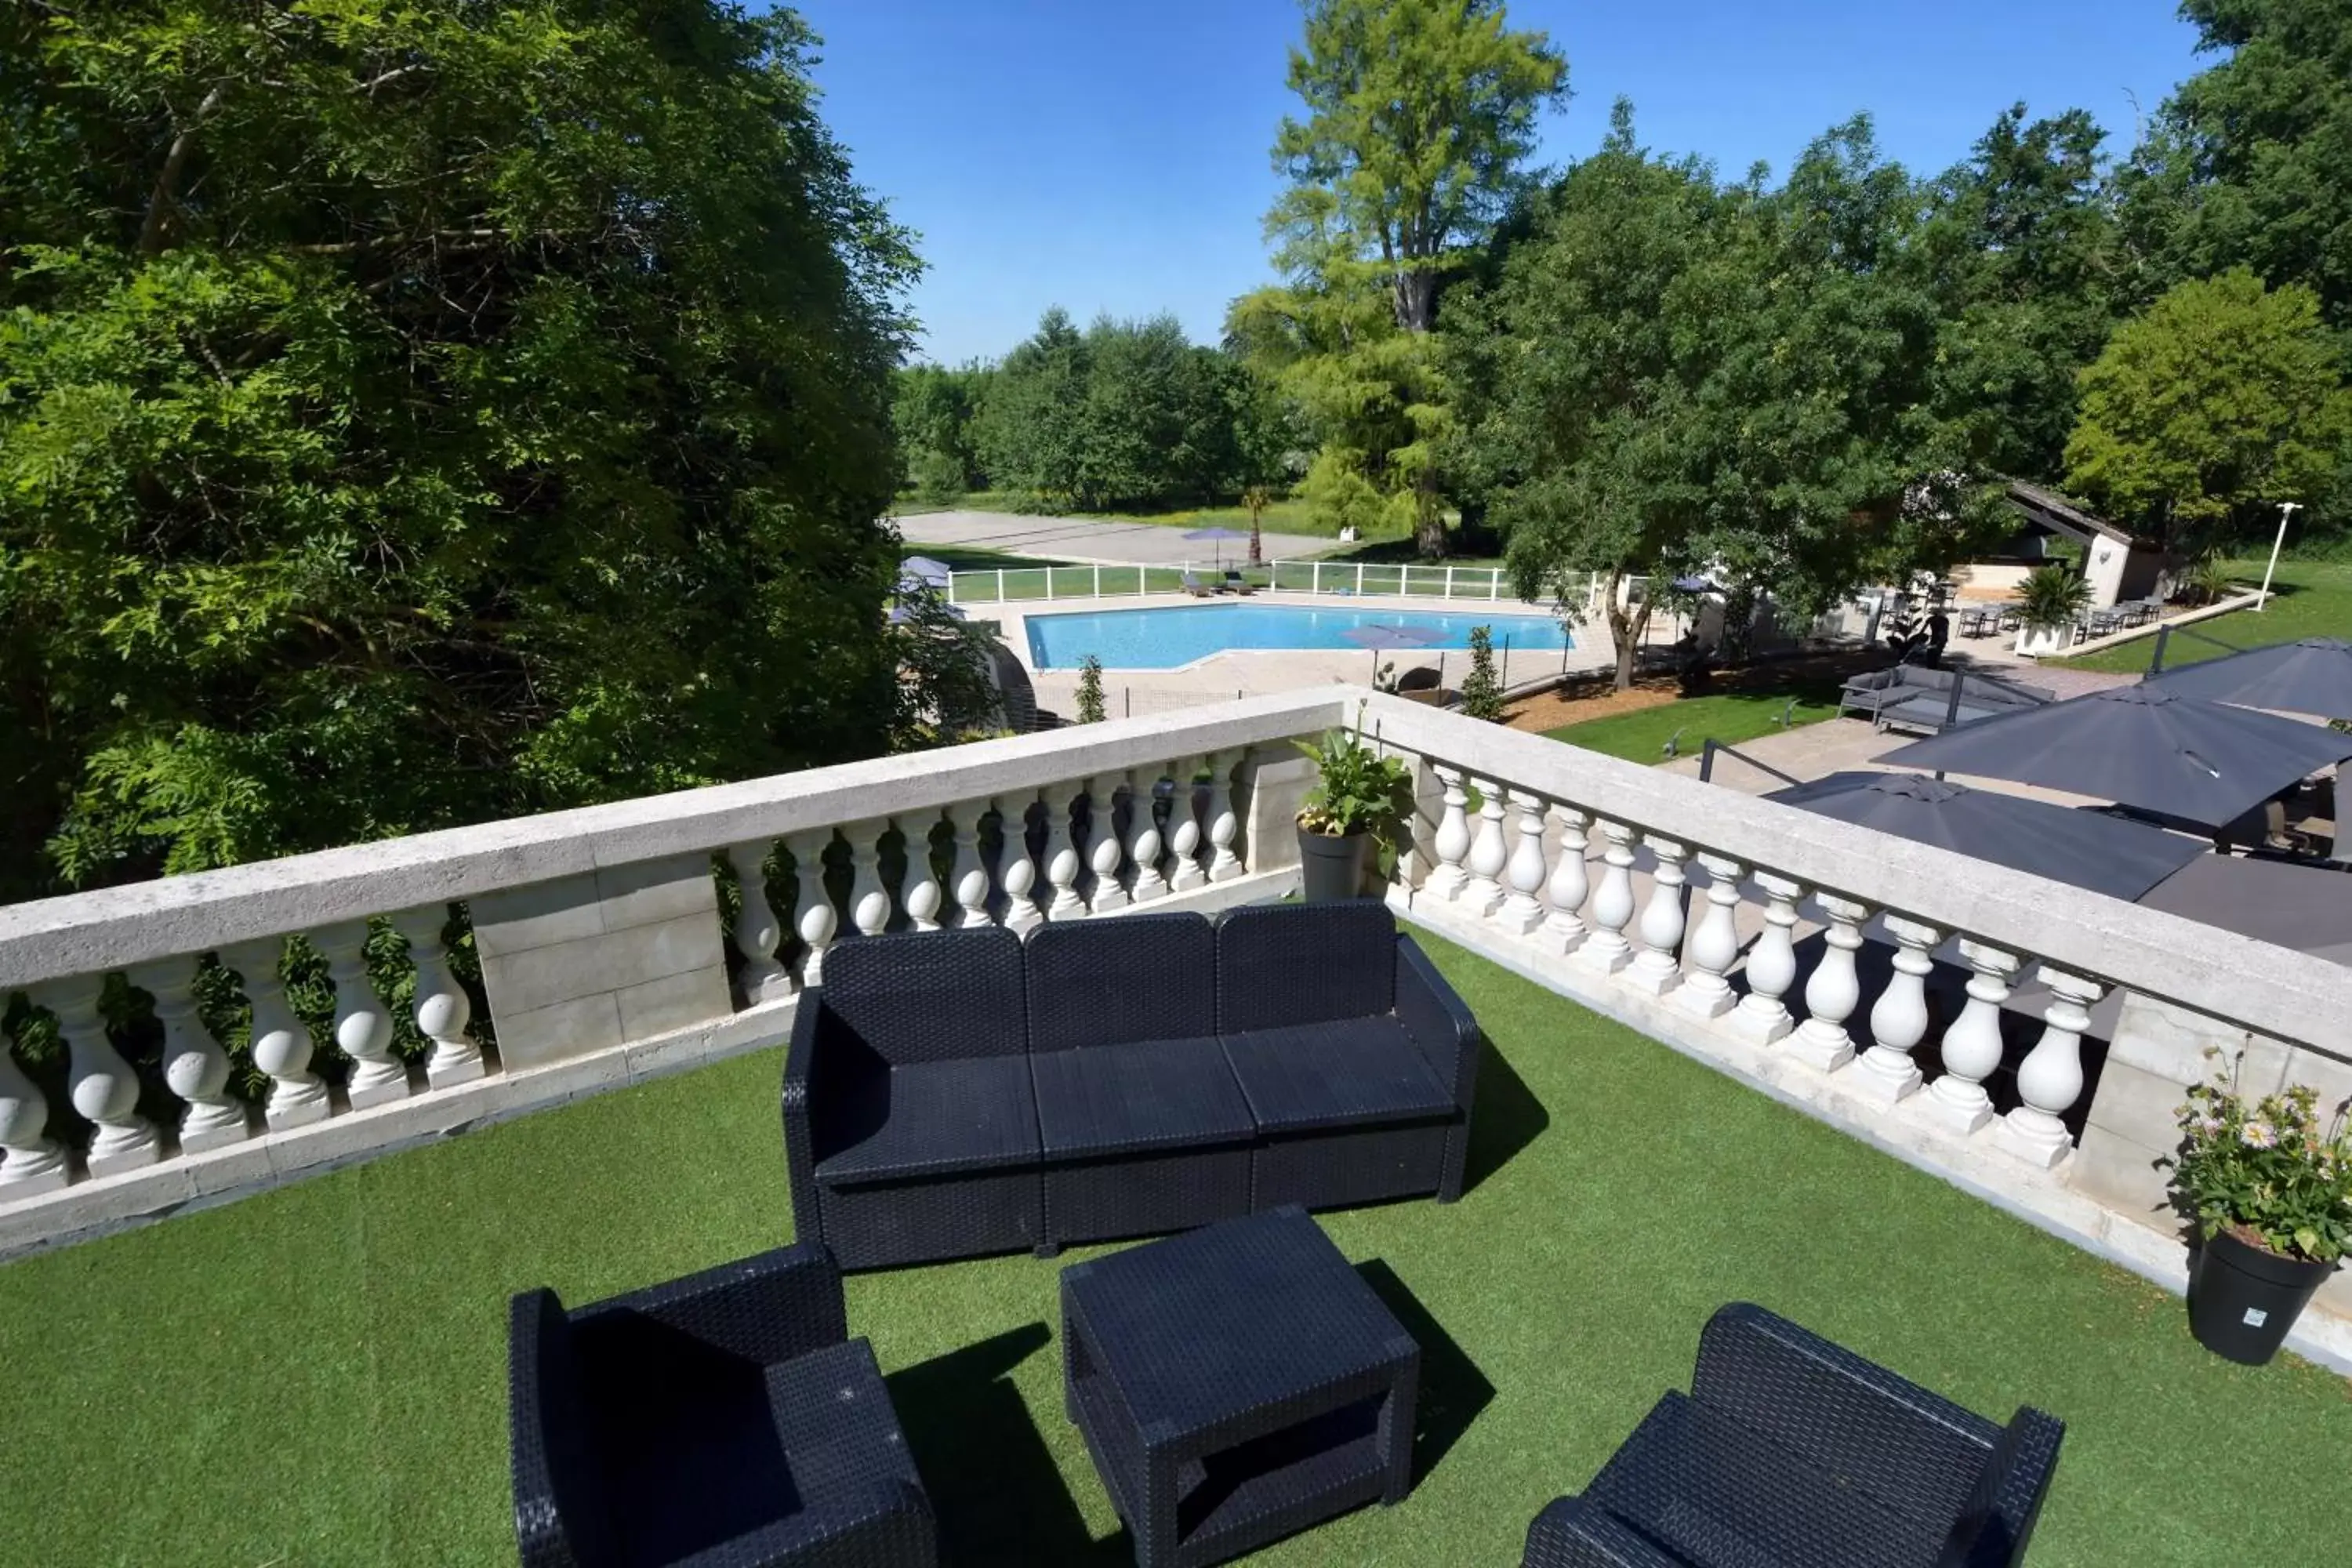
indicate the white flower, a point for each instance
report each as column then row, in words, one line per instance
column 2260, row 1135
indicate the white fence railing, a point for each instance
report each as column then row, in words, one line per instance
column 1352, row 579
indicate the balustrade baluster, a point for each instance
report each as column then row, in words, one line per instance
column 195, row 1067
column 1482, row 895
column 759, row 931
column 1451, row 847
column 281, row 1043
column 1898, row 1020
column 1062, row 862
column 1971, row 1047
column 816, row 918
column 1705, row 991
column 1186, row 871
column 99, row 1082
column 1657, row 966
column 1563, row 927
column 1762, row 1017
column 1104, row 851
column 1833, row 990
column 968, row 879
column 1016, row 868
column 363, row 1022
column 442, row 1006
column 2050, row 1078
column 869, row 901
column 1143, row 835
column 1225, row 863
column 1606, row 951
column 31, row 1163
column 921, row 896
column 1522, row 911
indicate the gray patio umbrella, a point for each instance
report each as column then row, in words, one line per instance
column 2305, row 908
column 1378, row 638
column 2082, row 848
column 1220, row 535
column 2314, row 676
column 924, row 570
column 2140, row 746
column 900, row 615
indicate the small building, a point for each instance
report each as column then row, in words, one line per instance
column 2117, row 564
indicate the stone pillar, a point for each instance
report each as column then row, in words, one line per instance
column 968, row 879
column 869, row 901
column 1105, row 853
column 98, row 1081
column 1063, row 864
column 363, row 1022
column 1898, row 1020
column 1482, row 895
column 1606, row 951
column 921, row 894
column 815, row 915
column 1563, row 929
column 2050, row 1078
column 758, row 931
column 1016, row 868
column 1973, row 1042
column 30, row 1162
column 1225, row 863
column 1762, row 1017
column 1184, row 827
column 1833, row 990
column 1706, row 993
column 1522, row 910
column 281, row 1045
column 443, row 1009
column 1449, row 876
column 1657, row 967
column 195, row 1067
column 1143, row 843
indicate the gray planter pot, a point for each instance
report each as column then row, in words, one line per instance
column 1332, row 867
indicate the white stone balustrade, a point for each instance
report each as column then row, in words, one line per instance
column 1185, row 870
column 869, row 901
column 1899, row 1019
column 1522, row 910
column 1105, row 853
column 1017, row 870
column 442, row 1007
column 363, row 1023
column 2050, row 1078
column 1564, row 894
column 1452, row 845
column 1761, row 1016
column 1606, row 949
column 818, row 918
column 921, row 895
column 195, row 1067
column 1835, row 989
column 1972, row 1041
column 99, row 1082
column 31, row 1163
column 280, row 1044
column 1143, row 835
column 1657, row 963
column 1481, row 894
column 1063, row 864
column 968, row 881
column 1705, row 992
column 1224, row 860
column 758, row 932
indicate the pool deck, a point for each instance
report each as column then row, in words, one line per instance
column 1222, row 677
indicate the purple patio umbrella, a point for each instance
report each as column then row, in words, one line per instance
column 1378, row 638
column 1220, row 535
column 924, row 570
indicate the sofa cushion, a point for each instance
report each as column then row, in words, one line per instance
column 929, row 996
column 1348, row 1073
column 931, row 1119
column 1106, row 982
column 1279, row 964
column 1134, row 1098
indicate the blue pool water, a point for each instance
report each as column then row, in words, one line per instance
column 1168, row 639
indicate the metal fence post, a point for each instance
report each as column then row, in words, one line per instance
column 1097, row 581
column 1359, row 579
column 1494, row 583
column 1000, row 585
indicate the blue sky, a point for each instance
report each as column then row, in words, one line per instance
column 1112, row 155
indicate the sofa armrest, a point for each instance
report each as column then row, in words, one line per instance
column 559, row 1513
column 800, row 1115
column 768, row 1309
column 1572, row 1534
column 873, row 1521
column 1996, row 1524
column 1440, row 1021
column 1917, row 1452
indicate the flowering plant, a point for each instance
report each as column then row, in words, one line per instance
column 2273, row 1171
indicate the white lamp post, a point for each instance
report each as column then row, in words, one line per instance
column 2286, row 514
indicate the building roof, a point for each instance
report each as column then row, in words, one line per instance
column 2049, row 509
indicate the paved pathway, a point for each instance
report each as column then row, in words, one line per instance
column 1091, row 540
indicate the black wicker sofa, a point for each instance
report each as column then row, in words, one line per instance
column 950, row 1094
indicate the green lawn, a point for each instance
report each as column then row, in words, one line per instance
column 317, row 1375
column 1728, row 717
column 973, row 557
column 2311, row 598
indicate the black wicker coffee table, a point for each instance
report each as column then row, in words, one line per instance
column 1234, row 1384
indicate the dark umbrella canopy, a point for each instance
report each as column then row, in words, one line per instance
column 2140, row 746
column 1218, row 534
column 2083, row 848
column 2314, row 676
column 1377, row 638
column 2305, row 908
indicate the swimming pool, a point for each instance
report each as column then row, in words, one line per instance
column 1169, row 638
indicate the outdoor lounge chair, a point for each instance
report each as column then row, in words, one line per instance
column 1791, row 1450
column 726, row 1417
column 1237, row 584
column 1197, row 587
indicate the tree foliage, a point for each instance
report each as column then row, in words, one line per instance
column 2223, row 399
column 412, row 415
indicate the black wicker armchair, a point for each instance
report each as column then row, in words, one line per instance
column 1358, row 1061
column 724, row 1419
column 1793, row 1451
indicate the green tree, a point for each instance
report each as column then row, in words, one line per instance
column 1031, row 431
column 1420, row 113
column 932, row 411
column 416, row 413
column 1090, row 690
column 1482, row 692
column 2221, row 400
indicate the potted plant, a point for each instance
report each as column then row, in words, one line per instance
column 2271, row 1185
column 1360, row 800
column 2049, row 602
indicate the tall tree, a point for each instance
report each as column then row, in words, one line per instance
column 416, row 413
column 2220, row 401
column 1031, row 431
column 1420, row 113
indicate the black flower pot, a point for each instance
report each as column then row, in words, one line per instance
column 1333, row 866
column 2243, row 1299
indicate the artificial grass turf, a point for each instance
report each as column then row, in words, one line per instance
column 2311, row 599
column 1730, row 717
column 317, row 1375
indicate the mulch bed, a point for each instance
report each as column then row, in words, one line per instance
column 1595, row 696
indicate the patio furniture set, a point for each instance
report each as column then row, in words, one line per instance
column 962, row 1092
column 1203, row 586
column 1920, row 700
column 1987, row 620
